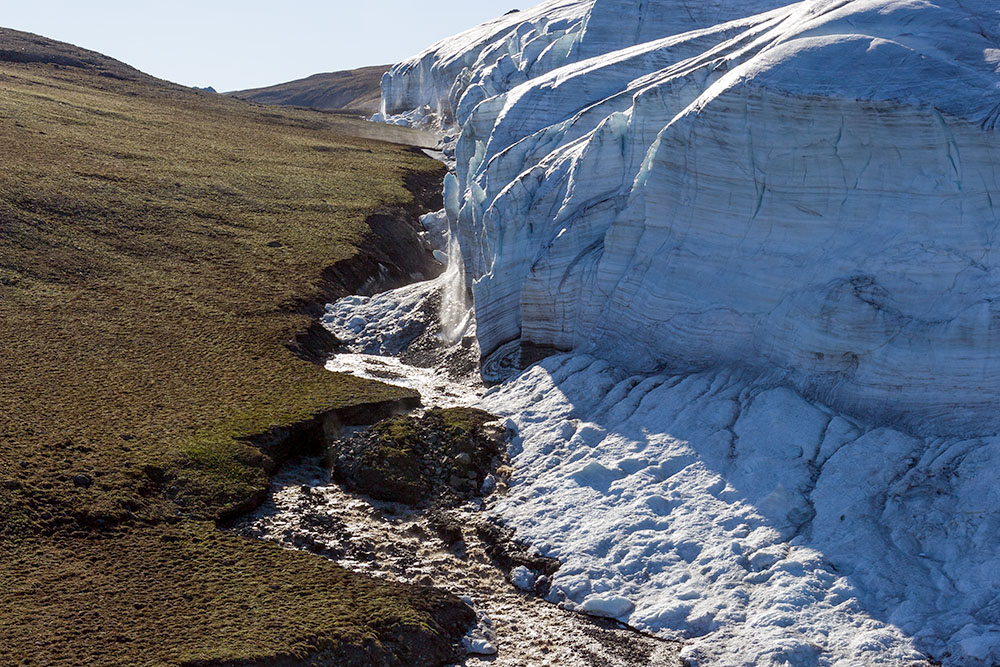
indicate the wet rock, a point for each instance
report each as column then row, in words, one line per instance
column 489, row 485
column 323, row 522
column 435, row 459
column 508, row 552
column 448, row 528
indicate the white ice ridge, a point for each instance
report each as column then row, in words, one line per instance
column 681, row 184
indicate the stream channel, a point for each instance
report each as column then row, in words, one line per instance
column 422, row 336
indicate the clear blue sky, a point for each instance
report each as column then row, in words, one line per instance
column 233, row 45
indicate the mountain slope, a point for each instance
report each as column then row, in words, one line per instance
column 355, row 90
column 161, row 249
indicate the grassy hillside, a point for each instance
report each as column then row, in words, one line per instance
column 159, row 248
column 355, row 90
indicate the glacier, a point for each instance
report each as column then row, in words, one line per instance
column 753, row 244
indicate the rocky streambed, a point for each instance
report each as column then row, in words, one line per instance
column 458, row 549
column 408, row 499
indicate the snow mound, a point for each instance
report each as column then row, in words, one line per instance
column 755, row 524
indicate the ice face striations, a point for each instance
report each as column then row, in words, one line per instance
column 803, row 190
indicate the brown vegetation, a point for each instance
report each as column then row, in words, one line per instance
column 159, row 247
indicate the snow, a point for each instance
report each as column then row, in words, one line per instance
column 523, row 578
column 751, row 521
column 764, row 235
column 476, row 643
column 609, row 606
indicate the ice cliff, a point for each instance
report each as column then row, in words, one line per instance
column 766, row 231
column 806, row 191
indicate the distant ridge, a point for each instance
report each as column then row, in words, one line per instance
column 356, row 90
column 30, row 49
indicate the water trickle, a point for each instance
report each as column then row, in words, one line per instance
column 456, row 307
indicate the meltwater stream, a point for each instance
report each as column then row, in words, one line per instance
column 417, row 337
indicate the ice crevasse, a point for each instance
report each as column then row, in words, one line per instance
column 782, row 216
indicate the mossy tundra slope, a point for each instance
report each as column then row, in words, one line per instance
column 159, row 248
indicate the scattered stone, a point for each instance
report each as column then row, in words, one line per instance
column 489, row 485
column 522, row 629
column 82, row 481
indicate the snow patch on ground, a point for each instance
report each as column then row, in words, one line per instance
column 761, row 527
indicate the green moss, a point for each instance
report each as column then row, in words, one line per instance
column 438, row 457
column 221, row 474
column 398, row 430
column 465, row 420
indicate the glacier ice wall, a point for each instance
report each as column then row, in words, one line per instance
column 766, row 233
column 803, row 189
column 487, row 59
